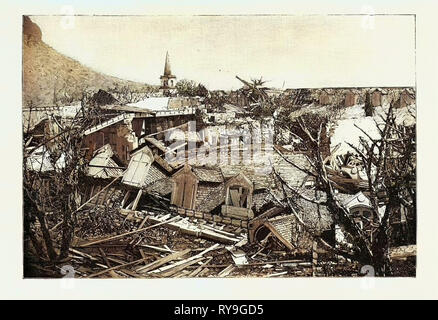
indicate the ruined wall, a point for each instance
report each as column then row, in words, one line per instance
column 120, row 136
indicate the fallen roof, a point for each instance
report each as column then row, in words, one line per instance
column 209, row 197
column 282, row 228
column 313, row 214
column 155, row 174
column 108, row 123
column 125, row 108
column 359, row 199
column 261, row 198
column 103, row 165
column 40, row 160
column 162, row 186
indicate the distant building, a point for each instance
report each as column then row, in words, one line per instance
column 377, row 96
column 351, row 97
column 168, row 80
column 325, row 97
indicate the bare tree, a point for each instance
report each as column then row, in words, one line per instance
column 52, row 168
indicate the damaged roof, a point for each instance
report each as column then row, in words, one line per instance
column 313, row 214
column 154, row 174
column 40, row 160
column 256, row 175
column 209, row 197
column 261, row 198
column 205, row 174
column 103, row 165
column 162, row 186
column 282, row 228
column 293, row 176
column 359, row 199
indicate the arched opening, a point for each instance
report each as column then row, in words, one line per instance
column 261, row 233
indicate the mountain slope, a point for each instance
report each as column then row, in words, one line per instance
column 50, row 78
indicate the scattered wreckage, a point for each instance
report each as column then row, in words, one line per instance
column 228, row 216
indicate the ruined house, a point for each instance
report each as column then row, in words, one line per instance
column 105, row 164
column 125, row 132
column 117, row 132
column 102, row 98
column 406, row 98
column 238, row 198
column 325, row 97
column 378, row 96
column 352, row 97
column 104, row 168
column 144, row 176
column 199, row 189
column 290, row 233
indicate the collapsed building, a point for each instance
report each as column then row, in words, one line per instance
column 242, row 195
column 171, row 161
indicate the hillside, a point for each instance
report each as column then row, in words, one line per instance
column 51, row 78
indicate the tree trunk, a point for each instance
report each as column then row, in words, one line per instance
column 46, row 236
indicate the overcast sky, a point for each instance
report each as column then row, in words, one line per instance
column 288, row 51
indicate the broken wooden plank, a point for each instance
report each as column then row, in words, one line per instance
column 200, row 268
column 219, row 231
column 115, row 268
column 126, row 233
column 130, row 273
column 103, row 255
column 203, row 272
column 402, row 252
column 143, row 222
column 137, row 199
column 155, row 248
column 162, row 261
column 279, row 236
column 125, row 198
column 118, row 261
column 276, row 274
column 297, row 262
column 184, row 226
column 172, row 271
column 143, row 255
column 239, row 257
column 82, row 254
column 199, row 255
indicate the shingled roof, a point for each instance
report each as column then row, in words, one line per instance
column 205, row 174
column 209, row 197
column 162, row 186
column 154, row 174
column 256, row 175
column 157, row 181
column 293, row 176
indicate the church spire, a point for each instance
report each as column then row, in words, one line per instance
column 167, row 71
column 168, row 80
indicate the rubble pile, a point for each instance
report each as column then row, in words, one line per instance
column 190, row 187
